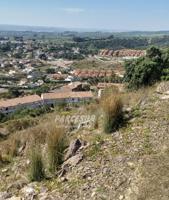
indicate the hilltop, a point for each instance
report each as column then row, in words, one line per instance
column 131, row 163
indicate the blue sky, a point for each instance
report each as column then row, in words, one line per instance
column 95, row 14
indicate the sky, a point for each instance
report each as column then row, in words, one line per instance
column 114, row 15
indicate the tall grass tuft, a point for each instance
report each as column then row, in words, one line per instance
column 56, row 144
column 37, row 172
column 113, row 111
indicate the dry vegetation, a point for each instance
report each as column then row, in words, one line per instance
column 139, row 137
column 112, row 112
column 37, row 171
column 56, row 142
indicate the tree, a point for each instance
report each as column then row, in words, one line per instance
column 14, row 92
column 146, row 70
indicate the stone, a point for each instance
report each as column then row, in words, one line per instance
column 163, row 88
column 21, row 149
column 63, row 179
column 121, row 197
column 15, row 198
column 4, row 170
column 73, row 148
column 17, row 185
column 4, row 195
column 73, row 161
column 165, row 97
column 28, row 192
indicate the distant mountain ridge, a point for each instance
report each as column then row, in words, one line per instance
column 6, row 27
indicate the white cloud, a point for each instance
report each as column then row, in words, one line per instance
column 73, row 10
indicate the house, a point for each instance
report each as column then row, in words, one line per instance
column 66, row 97
column 74, row 86
column 11, row 105
column 123, row 53
column 50, row 99
column 87, row 73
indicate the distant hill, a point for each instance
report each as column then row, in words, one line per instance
column 86, row 31
column 30, row 28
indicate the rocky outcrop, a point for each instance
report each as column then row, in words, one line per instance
column 73, row 147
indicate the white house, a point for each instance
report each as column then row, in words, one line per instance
column 66, row 97
column 11, row 105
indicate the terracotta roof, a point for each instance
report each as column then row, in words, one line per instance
column 123, row 53
column 20, row 100
column 65, row 95
column 93, row 73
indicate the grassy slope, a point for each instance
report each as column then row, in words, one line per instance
column 130, row 164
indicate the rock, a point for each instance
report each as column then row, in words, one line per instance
column 17, row 185
column 4, row 170
column 64, row 170
column 28, row 192
column 63, row 179
column 15, row 198
column 121, row 197
column 73, row 161
column 21, row 149
column 93, row 194
column 163, row 88
column 165, row 97
column 4, row 195
column 74, row 146
column 131, row 165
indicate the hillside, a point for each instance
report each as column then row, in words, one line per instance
column 131, row 163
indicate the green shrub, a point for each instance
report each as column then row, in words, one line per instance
column 37, row 172
column 3, row 117
column 56, row 145
column 112, row 109
column 147, row 70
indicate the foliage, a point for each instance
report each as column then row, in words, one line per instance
column 56, row 146
column 147, row 70
column 14, row 93
column 20, row 124
column 42, row 89
column 2, row 117
column 113, row 112
column 36, row 168
column 50, row 70
column 25, row 112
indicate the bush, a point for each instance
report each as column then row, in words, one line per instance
column 20, row 124
column 147, row 70
column 2, row 117
column 13, row 147
column 56, row 146
column 112, row 108
column 37, row 172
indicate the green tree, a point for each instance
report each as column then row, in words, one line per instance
column 146, row 70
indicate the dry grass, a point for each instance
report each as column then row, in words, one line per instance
column 1, row 158
column 20, row 124
column 112, row 108
column 13, row 148
column 56, row 144
column 37, row 172
column 133, row 98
